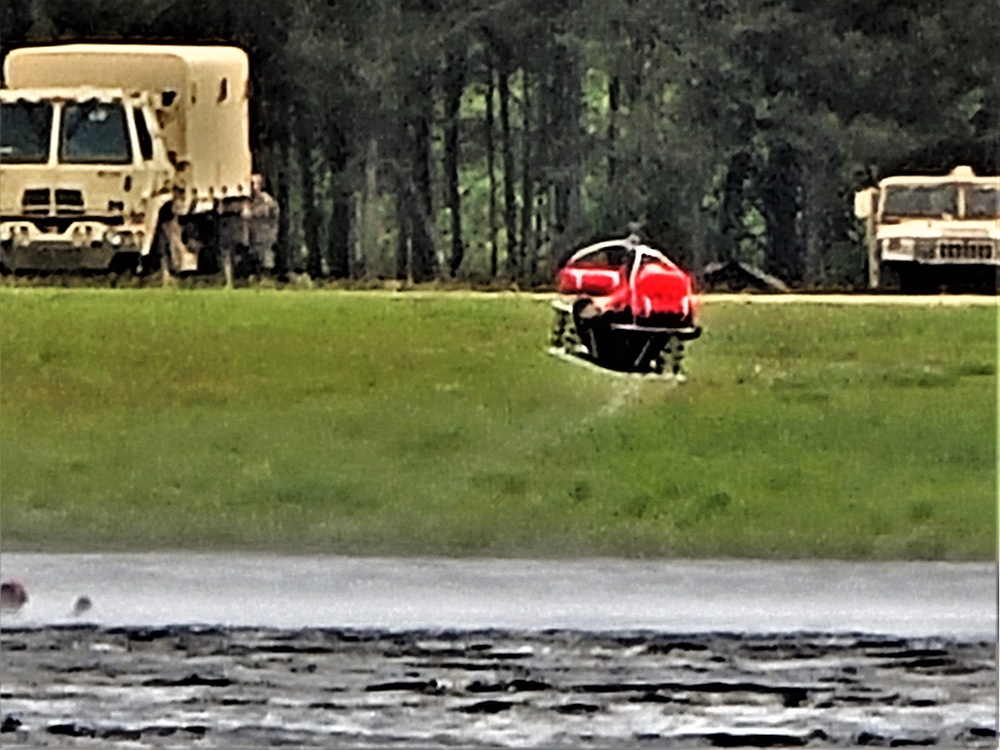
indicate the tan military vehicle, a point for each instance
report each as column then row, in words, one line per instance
column 130, row 156
column 925, row 232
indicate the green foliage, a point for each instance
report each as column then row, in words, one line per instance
column 410, row 424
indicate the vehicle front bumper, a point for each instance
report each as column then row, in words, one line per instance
column 82, row 245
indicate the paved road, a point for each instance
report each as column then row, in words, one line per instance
column 903, row 599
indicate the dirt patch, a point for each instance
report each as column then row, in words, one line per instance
column 213, row 687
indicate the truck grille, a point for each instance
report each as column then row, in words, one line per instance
column 69, row 202
column 38, row 202
column 924, row 248
column 980, row 249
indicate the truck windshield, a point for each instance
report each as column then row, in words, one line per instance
column 94, row 132
column 921, row 200
column 983, row 203
column 24, row 132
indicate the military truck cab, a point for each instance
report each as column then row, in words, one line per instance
column 117, row 155
column 928, row 231
column 85, row 176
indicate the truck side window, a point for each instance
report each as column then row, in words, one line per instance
column 983, row 203
column 24, row 132
column 94, row 132
column 145, row 139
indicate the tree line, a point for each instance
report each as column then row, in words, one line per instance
column 485, row 139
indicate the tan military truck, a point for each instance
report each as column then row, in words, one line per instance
column 924, row 232
column 130, row 156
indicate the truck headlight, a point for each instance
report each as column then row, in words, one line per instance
column 903, row 245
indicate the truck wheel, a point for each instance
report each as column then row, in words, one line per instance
column 152, row 261
column 918, row 281
column 888, row 277
column 124, row 264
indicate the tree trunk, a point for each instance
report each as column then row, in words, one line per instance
column 404, row 265
column 341, row 213
column 699, row 235
column 281, row 259
column 526, row 249
column 311, row 214
column 815, row 231
column 371, row 224
column 614, row 102
column 572, row 136
column 454, row 84
column 565, row 118
column 340, row 230
column 733, row 206
column 507, row 149
column 424, row 260
column 491, row 166
column 781, row 197
column 818, row 225
column 635, row 200
column 539, row 235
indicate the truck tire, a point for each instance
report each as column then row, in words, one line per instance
column 153, row 261
column 914, row 279
column 888, row 277
column 124, row 264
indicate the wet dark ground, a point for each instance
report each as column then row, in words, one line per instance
column 190, row 686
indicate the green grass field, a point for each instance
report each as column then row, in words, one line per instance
column 394, row 424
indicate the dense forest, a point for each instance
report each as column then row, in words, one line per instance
column 485, row 139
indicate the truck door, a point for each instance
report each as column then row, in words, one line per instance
column 151, row 176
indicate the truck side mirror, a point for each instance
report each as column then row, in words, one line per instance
column 864, row 203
